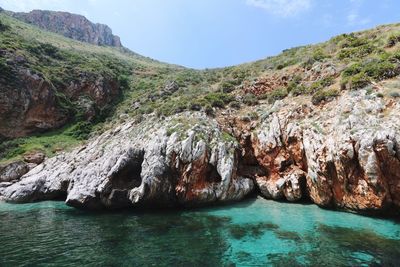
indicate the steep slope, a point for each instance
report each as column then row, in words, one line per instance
column 73, row 26
column 315, row 123
column 48, row 81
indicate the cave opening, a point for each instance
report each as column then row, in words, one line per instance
column 127, row 178
column 212, row 175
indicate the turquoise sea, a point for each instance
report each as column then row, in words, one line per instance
column 255, row 232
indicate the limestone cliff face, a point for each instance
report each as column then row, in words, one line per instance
column 141, row 165
column 31, row 104
column 73, row 26
column 336, row 156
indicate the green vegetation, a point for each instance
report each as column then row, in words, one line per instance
column 277, row 94
column 393, row 39
column 324, row 95
column 50, row 143
column 359, row 75
column 318, row 85
column 250, row 99
column 147, row 86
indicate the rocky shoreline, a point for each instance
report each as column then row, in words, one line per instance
column 341, row 155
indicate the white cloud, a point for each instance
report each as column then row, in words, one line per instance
column 282, row 8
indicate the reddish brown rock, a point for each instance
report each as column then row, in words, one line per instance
column 35, row 157
column 30, row 104
column 70, row 25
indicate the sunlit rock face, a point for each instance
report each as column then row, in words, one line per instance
column 336, row 155
column 31, row 104
column 71, row 25
column 141, row 165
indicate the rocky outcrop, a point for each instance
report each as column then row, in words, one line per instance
column 125, row 167
column 73, row 26
column 30, row 104
column 337, row 156
column 13, row 171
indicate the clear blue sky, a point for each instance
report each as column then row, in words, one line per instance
column 214, row 33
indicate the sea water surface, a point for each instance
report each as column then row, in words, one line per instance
column 255, row 232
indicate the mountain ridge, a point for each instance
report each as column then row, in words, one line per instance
column 70, row 25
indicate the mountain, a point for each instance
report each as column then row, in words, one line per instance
column 73, row 26
column 101, row 127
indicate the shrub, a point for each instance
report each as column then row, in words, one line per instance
column 40, row 50
column 11, row 148
column 277, row 94
column 352, row 70
column 235, row 105
column 318, row 85
column 324, row 95
column 209, row 110
column 395, row 94
column 218, row 99
column 227, row 86
column 80, row 131
column 350, row 40
column 359, row 75
column 358, row 81
column 393, row 39
column 3, row 27
column 394, row 58
column 250, row 99
column 195, row 106
column 299, row 90
column 380, row 70
column 123, row 81
column 317, row 56
column 356, row 52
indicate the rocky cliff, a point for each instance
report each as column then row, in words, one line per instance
column 336, row 156
column 73, row 26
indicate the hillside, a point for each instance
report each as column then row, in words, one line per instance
column 315, row 123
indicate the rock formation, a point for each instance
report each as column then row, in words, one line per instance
column 292, row 153
column 32, row 104
column 73, row 26
column 141, row 165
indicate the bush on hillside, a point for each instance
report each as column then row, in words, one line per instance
column 227, row 86
column 3, row 27
column 356, row 52
column 80, row 131
column 357, row 81
column 350, row 40
column 218, row 100
column 250, row 99
column 393, row 39
column 324, row 95
column 318, row 85
column 277, row 94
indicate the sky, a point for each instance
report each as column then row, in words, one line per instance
column 216, row 33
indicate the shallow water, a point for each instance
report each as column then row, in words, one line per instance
column 255, row 232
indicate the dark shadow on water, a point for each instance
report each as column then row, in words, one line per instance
column 338, row 246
